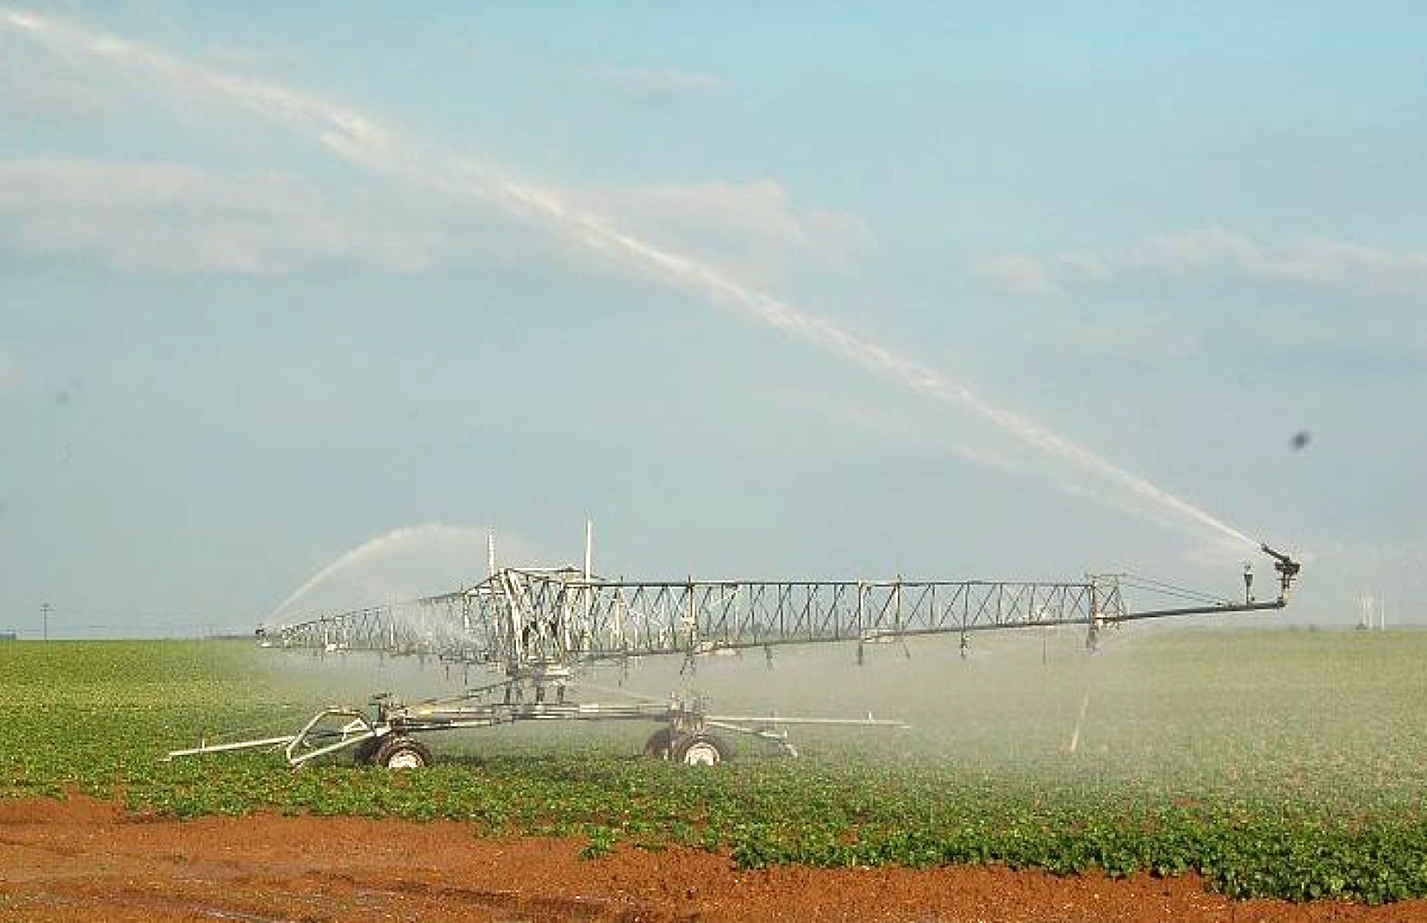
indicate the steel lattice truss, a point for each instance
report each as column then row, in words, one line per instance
column 540, row 626
column 520, row 617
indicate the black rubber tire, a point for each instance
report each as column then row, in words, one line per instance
column 401, row 753
column 660, row 744
column 700, row 750
column 364, row 753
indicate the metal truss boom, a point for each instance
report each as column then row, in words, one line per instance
column 541, row 626
column 523, row 618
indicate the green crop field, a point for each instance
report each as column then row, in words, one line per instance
column 1276, row 763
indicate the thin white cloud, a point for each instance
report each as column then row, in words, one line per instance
column 175, row 218
column 1019, row 275
column 656, row 81
column 755, row 226
column 48, row 91
column 1205, row 257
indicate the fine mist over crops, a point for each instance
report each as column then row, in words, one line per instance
column 1244, row 711
column 1277, row 763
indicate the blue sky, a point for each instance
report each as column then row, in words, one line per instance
column 238, row 340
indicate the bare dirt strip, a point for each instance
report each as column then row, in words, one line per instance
column 85, row 860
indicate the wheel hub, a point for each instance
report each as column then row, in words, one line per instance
column 701, row 754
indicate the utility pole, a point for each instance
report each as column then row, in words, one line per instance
column 45, row 613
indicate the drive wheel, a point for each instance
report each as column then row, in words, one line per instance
column 700, row 750
column 402, row 753
column 659, row 744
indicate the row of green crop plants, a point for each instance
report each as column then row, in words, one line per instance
column 93, row 718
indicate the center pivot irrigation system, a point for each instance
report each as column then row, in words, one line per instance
column 540, row 627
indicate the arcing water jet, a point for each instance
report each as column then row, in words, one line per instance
column 369, row 550
column 365, row 142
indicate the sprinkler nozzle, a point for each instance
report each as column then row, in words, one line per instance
column 1287, row 567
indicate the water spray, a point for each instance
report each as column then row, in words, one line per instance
column 366, row 551
column 365, row 142
column 1079, row 722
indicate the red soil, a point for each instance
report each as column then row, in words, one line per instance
column 85, row 860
